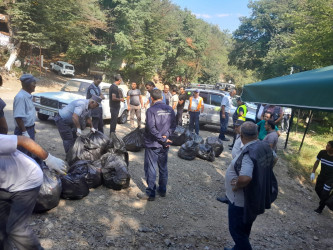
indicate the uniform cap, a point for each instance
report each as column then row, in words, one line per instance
column 28, row 78
column 197, row 90
column 96, row 99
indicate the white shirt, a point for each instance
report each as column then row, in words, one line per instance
column 226, row 100
column 174, row 99
column 18, row 172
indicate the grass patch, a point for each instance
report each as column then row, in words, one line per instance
column 301, row 163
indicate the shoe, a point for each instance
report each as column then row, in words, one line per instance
column 318, row 210
column 162, row 194
column 145, row 196
column 223, row 199
column 225, row 139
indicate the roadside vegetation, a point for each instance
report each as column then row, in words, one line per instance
column 320, row 131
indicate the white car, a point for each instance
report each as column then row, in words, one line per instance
column 47, row 104
column 63, row 68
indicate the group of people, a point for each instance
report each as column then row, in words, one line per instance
column 249, row 171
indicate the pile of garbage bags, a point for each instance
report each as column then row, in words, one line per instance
column 94, row 160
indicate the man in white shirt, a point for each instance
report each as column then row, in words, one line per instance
column 224, row 115
column 20, row 181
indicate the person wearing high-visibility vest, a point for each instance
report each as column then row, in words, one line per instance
column 240, row 114
column 196, row 105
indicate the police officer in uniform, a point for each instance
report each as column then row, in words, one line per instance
column 72, row 118
column 239, row 114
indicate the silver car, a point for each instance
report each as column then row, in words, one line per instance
column 212, row 100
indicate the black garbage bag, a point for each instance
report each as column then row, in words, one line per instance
column 134, row 141
column 117, row 146
column 49, row 193
column 114, row 171
column 100, row 139
column 191, row 136
column 74, row 186
column 178, row 137
column 188, row 150
column 93, row 175
column 217, row 145
column 206, row 152
column 83, row 149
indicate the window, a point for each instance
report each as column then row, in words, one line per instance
column 205, row 97
column 216, row 99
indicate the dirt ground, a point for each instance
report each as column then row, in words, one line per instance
column 189, row 217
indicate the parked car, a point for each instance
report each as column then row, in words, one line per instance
column 212, row 101
column 63, row 68
column 47, row 104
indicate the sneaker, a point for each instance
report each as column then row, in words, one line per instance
column 145, row 196
column 318, row 210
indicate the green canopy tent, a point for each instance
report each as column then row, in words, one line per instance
column 307, row 90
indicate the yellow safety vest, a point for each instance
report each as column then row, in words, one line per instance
column 244, row 113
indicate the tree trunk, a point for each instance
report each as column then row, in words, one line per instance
column 13, row 55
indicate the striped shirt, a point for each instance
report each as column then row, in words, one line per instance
column 326, row 164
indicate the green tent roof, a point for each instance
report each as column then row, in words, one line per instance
column 310, row 89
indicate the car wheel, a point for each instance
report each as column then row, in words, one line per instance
column 42, row 117
column 59, row 73
column 123, row 118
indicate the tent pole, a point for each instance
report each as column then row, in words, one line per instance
column 306, row 130
column 290, row 125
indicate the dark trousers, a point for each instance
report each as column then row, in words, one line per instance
column 114, row 117
column 194, row 121
column 31, row 132
column 224, row 125
column 240, row 232
column 323, row 189
column 67, row 133
column 15, row 211
column 97, row 120
column 285, row 123
column 156, row 157
column 179, row 117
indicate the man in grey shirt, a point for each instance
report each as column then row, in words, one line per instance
column 134, row 104
column 272, row 136
column 234, row 184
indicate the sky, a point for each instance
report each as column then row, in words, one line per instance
column 224, row 13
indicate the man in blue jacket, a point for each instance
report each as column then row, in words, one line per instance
column 160, row 124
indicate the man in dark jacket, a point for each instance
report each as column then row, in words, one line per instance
column 250, row 184
column 160, row 124
column 115, row 100
column 97, row 113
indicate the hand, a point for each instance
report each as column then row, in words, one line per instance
column 78, row 132
column 93, row 130
column 26, row 134
column 128, row 107
column 56, row 164
column 312, row 176
column 223, row 115
column 121, row 99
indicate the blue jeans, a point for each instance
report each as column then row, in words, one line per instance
column 224, row 125
column 239, row 231
column 156, row 157
column 194, row 121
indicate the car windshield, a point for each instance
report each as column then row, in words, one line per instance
column 76, row 87
column 69, row 67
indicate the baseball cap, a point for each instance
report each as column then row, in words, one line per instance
column 197, row 90
column 96, row 99
column 28, row 78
